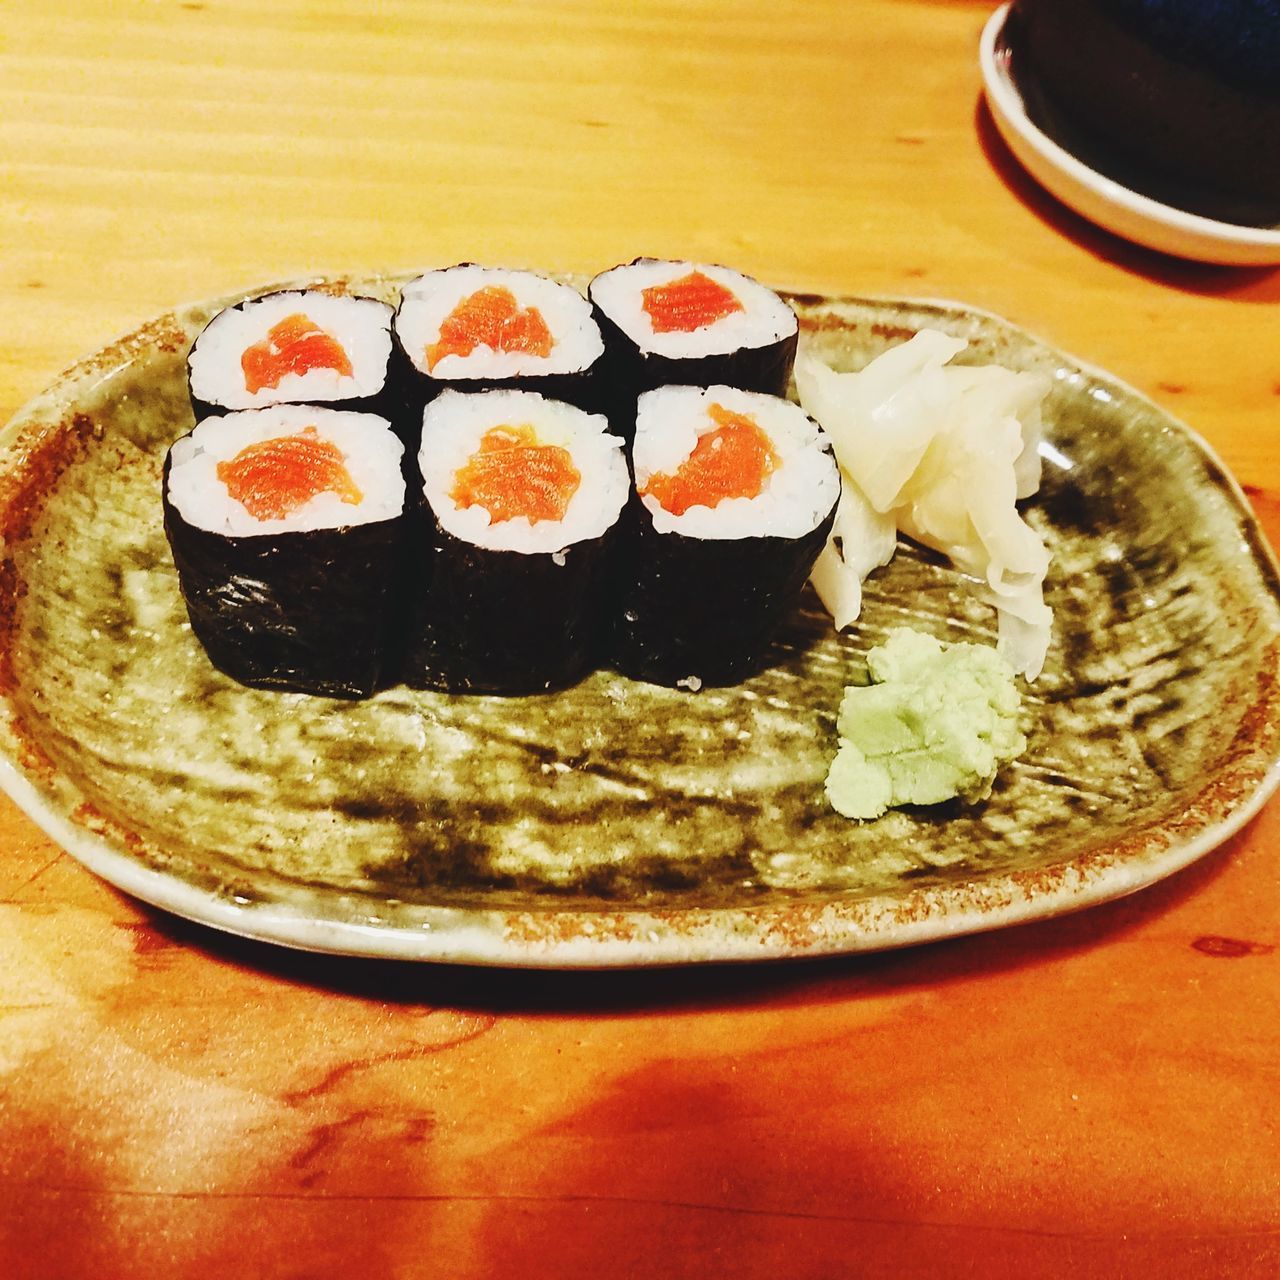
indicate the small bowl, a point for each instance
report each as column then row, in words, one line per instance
column 1179, row 99
column 1020, row 113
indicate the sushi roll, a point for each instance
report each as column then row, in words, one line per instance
column 297, row 346
column 287, row 527
column 521, row 498
column 735, row 494
column 470, row 328
column 693, row 324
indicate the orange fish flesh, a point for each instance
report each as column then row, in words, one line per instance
column 692, row 302
column 274, row 478
column 733, row 461
column 513, row 474
column 491, row 317
column 293, row 345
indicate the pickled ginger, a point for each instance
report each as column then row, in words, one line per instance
column 942, row 454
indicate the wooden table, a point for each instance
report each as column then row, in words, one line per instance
column 1091, row 1096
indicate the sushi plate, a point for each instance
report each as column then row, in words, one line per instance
column 617, row 823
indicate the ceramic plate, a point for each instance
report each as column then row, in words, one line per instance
column 1021, row 115
column 619, row 823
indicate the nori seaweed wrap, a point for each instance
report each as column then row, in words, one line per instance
column 735, row 495
column 513, row 540
column 683, row 323
column 306, row 601
column 485, row 621
column 297, row 346
column 470, row 328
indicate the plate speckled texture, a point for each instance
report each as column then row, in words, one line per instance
column 619, row 823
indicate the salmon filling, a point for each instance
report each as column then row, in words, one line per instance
column 512, row 474
column 491, row 317
column 733, row 461
column 692, row 302
column 274, row 478
column 294, row 345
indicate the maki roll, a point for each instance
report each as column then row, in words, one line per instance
column 286, row 526
column 521, row 496
column 735, row 493
column 297, row 346
column 470, row 328
column 693, row 324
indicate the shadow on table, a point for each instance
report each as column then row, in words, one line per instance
column 473, row 988
column 1244, row 284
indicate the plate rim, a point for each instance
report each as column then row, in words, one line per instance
column 634, row 937
column 662, row 949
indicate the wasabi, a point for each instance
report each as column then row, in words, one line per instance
column 937, row 722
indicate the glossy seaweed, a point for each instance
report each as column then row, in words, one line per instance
column 389, row 401
column 305, row 612
column 589, row 388
column 632, row 370
column 700, row 609
column 765, row 368
column 505, row 622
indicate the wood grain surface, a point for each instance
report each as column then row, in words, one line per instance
column 1093, row 1096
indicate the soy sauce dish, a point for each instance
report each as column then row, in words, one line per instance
column 1159, row 121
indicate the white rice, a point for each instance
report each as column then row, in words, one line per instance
column 452, row 427
column 431, row 298
column 797, row 495
column 361, row 325
column 371, row 453
column 765, row 318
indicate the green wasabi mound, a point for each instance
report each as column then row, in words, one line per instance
column 937, row 722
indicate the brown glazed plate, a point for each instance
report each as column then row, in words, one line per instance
column 619, row 824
